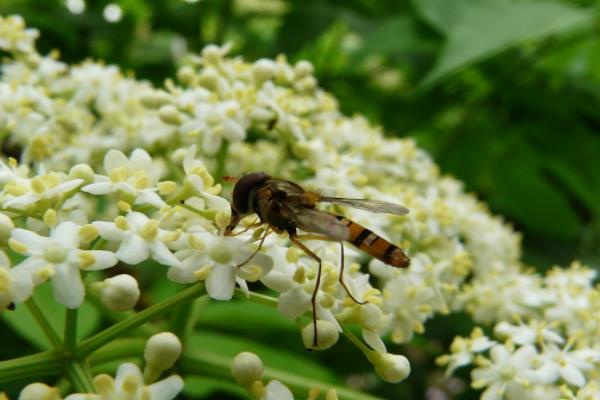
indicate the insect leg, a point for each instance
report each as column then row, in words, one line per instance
column 262, row 240
column 315, row 237
column 313, row 299
column 247, row 228
column 341, row 278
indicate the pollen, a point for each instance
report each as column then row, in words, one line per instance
column 86, row 259
column 88, row 233
column 150, row 230
column 202, row 273
column 17, row 247
column 121, row 223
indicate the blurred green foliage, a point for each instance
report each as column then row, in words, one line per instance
column 505, row 94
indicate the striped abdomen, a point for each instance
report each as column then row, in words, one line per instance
column 374, row 244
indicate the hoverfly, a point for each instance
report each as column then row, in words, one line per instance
column 285, row 206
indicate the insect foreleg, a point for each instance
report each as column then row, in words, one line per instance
column 313, row 299
column 262, row 240
column 341, row 278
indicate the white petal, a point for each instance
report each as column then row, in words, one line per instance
column 125, row 371
column 63, row 187
column 34, row 242
column 276, row 390
column 21, row 286
column 374, row 340
column 494, row 392
column 67, row 285
column 188, row 161
column 149, row 197
column 233, row 131
column 114, row 159
column 216, row 202
column 181, row 275
column 133, row 250
column 162, row 254
column 572, row 375
column 221, row 282
column 211, row 143
column 109, row 231
column 31, row 266
column 278, row 281
column 99, row 188
column 140, row 160
column 104, row 259
column 166, row 389
column 67, row 234
column 294, row 302
column 137, row 218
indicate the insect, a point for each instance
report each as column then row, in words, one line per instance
column 285, row 206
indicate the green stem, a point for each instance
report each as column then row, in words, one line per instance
column 43, row 323
column 79, row 376
column 41, row 364
column 184, row 319
column 221, row 160
column 95, row 342
column 70, row 335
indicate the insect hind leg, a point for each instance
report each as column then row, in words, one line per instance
column 313, row 299
column 341, row 277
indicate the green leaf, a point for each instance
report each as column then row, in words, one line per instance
column 524, row 194
column 479, row 29
column 243, row 316
column 273, row 357
column 21, row 321
column 201, row 387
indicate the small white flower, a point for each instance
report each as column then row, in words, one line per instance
column 15, row 285
column 38, row 391
column 392, row 368
column 59, row 258
column 215, row 259
column 135, row 176
column 201, row 182
column 506, row 373
column 129, row 384
column 140, row 238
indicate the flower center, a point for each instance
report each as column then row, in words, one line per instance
column 507, row 373
column 221, row 253
column 55, row 253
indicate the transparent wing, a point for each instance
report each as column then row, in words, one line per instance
column 376, row 206
column 315, row 221
column 285, row 186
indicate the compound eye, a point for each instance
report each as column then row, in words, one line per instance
column 243, row 188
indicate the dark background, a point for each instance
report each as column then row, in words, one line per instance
column 504, row 94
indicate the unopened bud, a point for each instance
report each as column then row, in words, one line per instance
column 155, row 98
column 303, row 68
column 264, row 69
column 392, row 368
column 162, row 350
column 82, row 171
column 39, row 391
column 247, row 368
column 327, row 335
column 120, row 293
column 170, row 115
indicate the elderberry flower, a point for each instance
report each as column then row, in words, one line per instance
column 505, row 373
column 129, row 384
column 135, row 178
column 59, row 259
column 140, row 237
column 215, row 259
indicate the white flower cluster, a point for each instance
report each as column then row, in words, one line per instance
column 129, row 382
column 161, row 203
